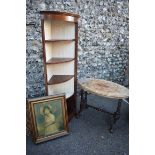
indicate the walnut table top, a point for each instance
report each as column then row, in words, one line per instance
column 104, row 88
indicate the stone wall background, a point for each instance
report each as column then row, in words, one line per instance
column 103, row 40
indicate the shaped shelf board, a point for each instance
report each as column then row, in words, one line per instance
column 56, row 79
column 59, row 60
column 57, row 40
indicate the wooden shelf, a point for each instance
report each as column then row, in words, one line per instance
column 56, row 79
column 57, row 40
column 59, row 60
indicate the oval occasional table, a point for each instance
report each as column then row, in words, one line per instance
column 102, row 88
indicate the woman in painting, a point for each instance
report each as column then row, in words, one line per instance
column 49, row 121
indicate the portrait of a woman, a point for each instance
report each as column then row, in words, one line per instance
column 49, row 121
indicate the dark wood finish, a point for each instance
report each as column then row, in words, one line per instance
column 71, row 107
column 63, row 16
column 60, row 13
column 70, row 115
column 28, row 122
column 56, row 79
column 54, row 40
column 75, row 66
column 59, row 60
column 116, row 115
column 68, row 17
column 44, row 55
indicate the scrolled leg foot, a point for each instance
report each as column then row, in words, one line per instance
column 81, row 101
column 116, row 116
column 85, row 100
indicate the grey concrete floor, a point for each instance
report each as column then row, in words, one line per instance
column 89, row 133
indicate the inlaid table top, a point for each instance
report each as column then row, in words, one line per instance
column 104, row 88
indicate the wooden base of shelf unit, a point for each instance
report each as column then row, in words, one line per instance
column 70, row 116
column 71, row 107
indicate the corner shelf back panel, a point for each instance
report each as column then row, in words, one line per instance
column 65, row 87
column 60, row 49
column 60, row 69
column 59, row 30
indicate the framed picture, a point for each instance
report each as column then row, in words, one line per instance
column 48, row 117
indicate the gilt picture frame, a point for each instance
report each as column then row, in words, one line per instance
column 48, row 117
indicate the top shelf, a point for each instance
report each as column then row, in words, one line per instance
column 60, row 13
column 57, row 40
column 55, row 15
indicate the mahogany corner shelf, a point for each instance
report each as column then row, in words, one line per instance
column 60, row 44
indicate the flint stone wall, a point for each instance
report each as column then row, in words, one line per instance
column 103, row 40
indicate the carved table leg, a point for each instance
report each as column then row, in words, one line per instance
column 82, row 100
column 116, row 115
column 85, row 100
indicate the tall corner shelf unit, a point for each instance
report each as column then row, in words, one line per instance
column 60, row 41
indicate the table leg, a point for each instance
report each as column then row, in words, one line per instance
column 82, row 100
column 116, row 115
column 86, row 105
